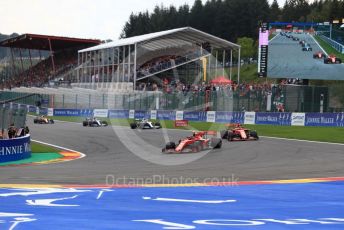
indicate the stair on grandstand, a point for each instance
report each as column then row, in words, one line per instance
column 172, row 64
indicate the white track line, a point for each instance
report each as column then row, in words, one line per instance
column 274, row 37
column 318, row 142
column 60, row 147
column 319, row 45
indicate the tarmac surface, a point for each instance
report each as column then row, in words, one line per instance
column 287, row 60
column 134, row 156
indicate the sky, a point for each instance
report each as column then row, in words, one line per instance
column 100, row 19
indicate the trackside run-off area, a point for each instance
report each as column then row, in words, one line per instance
column 243, row 185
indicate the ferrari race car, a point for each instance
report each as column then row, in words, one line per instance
column 236, row 132
column 319, row 55
column 43, row 120
column 197, row 142
column 145, row 124
column 94, row 122
column 331, row 59
column 306, row 47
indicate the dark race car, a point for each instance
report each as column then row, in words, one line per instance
column 43, row 120
column 197, row 142
column 145, row 124
column 332, row 59
column 306, row 47
column 236, row 132
column 319, row 55
column 94, row 122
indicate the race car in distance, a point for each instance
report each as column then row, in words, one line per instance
column 236, row 132
column 319, row 55
column 332, row 59
column 296, row 39
column 43, row 120
column 94, row 122
column 306, row 47
column 302, row 42
column 197, row 142
column 145, row 124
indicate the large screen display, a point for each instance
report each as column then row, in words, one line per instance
column 296, row 53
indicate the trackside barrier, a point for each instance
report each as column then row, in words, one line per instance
column 339, row 47
column 258, row 118
column 15, row 149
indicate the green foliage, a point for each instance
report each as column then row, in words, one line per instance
column 40, row 148
column 247, row 46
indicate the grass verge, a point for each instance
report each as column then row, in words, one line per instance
column 329, row 49
column 41, row 148
column 325, row 134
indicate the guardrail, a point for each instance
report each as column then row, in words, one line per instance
column 339, row 47
column 259, row 118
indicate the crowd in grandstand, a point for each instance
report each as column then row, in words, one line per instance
column 43, row 71
column 13, row 132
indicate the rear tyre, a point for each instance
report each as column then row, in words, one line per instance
column 133, row 125
column 254, row 134
column 170, row 145
column 84, row 123
column 224, row 134
column 216, row 142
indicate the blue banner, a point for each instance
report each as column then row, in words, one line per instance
column 195, row 116
column 86, row 112
column 15, row 149
column 121, row 114
column 325, row 119
column 67, row 112
column 140, row 114
column 32, row 109
column 166, row 115
column 224, row 117
column 43, row 111
column 273, row 118
column 238, row 117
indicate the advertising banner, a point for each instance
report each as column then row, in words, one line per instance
column 249, row 118
column 67, row 112
column 211, row 116
column 195, row 116
column 153, row 114
column 224, row 117
column 325, row 119
column 273, row 119
column 15, row 149
column 166, row 115
column 179, row 115
column 100, row 113
column 86, row 112
column 120, row 114
column 298, row 119
column 131, row 114
column 140, row 114
column 238, row 117
column 181, row 123
column 43, row 111
column 50, row 112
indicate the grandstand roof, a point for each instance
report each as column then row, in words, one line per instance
column 41, row 42
column 168, row 38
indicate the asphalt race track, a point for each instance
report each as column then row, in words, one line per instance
column 287, row 60
column 266, row 159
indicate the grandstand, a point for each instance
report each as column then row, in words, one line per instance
column 61, row 58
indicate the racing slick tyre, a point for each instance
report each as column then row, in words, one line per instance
column 104, row 123
column 224, row 134
column 338, row 61
column 325, row 61
column 157, row 125
column 230, row 136
column 254, row 134
column 170, row 145
column 216, row 142
column 51, row 121
column 133, row 125
column 84, row 123
column 35, row 121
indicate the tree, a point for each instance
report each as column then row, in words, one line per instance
column 248, row 48
column 275, row 12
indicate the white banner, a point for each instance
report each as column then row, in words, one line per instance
column 131, row 114
column 250, row 118
column 153, row 114
column 179, row 115
column 211, row 115
column 100, row 112
column 37, row 110
column 50, row 112
column 298, row 119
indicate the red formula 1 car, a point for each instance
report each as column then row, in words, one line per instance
column 236, row 132
column 197, row 142
column 319, row 55
column 332, row 59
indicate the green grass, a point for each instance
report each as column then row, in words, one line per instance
column 329, row 49
column 35, row 157
column 40, row 148
column 325, row 134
